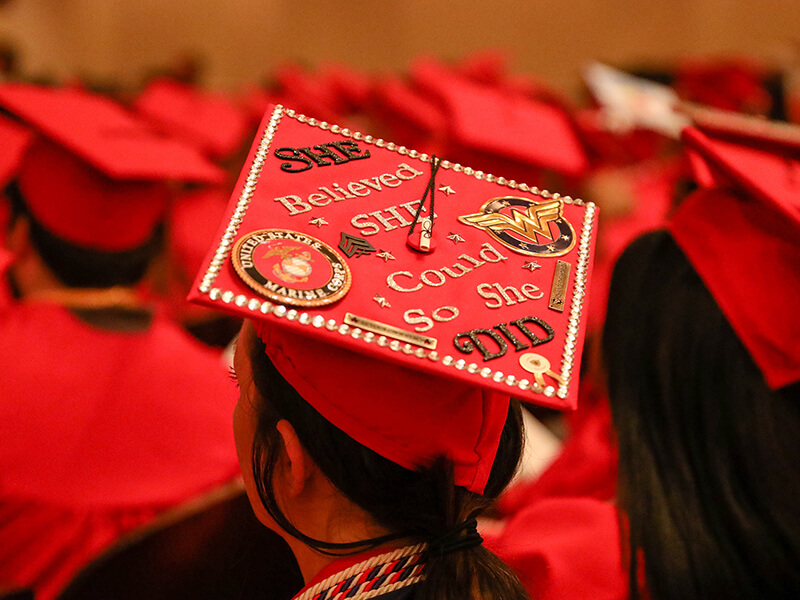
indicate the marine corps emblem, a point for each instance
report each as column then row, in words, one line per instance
column 291, row 267
column 525, row 226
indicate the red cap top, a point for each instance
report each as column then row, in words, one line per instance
column 211, row 122
column 743, row 238
column 512, row 126
column 97, row 177
column 106, row 136
column 482, row 301
column 735, row 83
column 15, row 139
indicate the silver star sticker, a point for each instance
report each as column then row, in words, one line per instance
column 446, row 190
column 319, row 222
column 454, row 237
column 382, row 302
column 386, row 256
column 532, row 266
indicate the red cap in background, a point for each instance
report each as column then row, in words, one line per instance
column 742, row 235
column 96, row 176
column 509, row 126
column 212, row 122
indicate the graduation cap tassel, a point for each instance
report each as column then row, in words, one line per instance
column 422, row 241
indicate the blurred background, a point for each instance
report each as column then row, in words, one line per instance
column 231, row 42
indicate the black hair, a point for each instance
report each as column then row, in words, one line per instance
column 422, row 504
column 709, row 476
column 79, row 267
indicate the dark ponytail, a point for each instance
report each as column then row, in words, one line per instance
column 423, row 505
column 708, row 473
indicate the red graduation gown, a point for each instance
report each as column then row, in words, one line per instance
column 99, row 431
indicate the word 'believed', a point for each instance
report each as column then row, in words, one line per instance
column 324, row 156
column 355, row 189
column 468, row 341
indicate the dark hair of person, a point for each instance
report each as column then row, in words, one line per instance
column 79, row 267
column 709, row 475
column 421, row 504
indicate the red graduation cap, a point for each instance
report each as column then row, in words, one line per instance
column 411, row 353
column 210, row 121
column 742, row 235
column 16, row 139
column 509, row 125
column 352, row 87
column 96, row 176
column 412, row 118
column 731, row 83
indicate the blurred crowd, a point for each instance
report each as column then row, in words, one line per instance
column 557, row 527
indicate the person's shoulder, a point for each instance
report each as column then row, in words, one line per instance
column 565, row 547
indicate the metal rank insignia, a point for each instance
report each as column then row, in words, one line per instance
column 291, row 267
column 525, row 226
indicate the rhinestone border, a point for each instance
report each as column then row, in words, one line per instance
column 266, row 307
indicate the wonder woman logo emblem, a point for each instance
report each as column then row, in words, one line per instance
column 525, row 226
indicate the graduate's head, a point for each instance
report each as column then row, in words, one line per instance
column 701, row 345
column 91, row 184
column 388, row 333
column 314, row 482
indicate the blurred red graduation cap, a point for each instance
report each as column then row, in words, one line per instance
column 733, row 83
column 95, row 175
column 411, row 353
column 210, row 121
column 353, row 88
column 412, row 118
column 16, row 139
column 495, row 121
column 741, row 232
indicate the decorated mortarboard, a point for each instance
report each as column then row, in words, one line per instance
column 96, row 175
column 210, row 121
column 361, row 244
column 742, row 235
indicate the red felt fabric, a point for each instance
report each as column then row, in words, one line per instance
column 103, row 134
column 743, row 238
column 752, row 268
column 732, row 83
column 404, row 415
column 15, row 139
column 510, row 125
column 564, row 549
column 81, row 205
column 587, row 465
column 194, row 218
column 209, row 121
column 412, row 118
column 100, row 431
